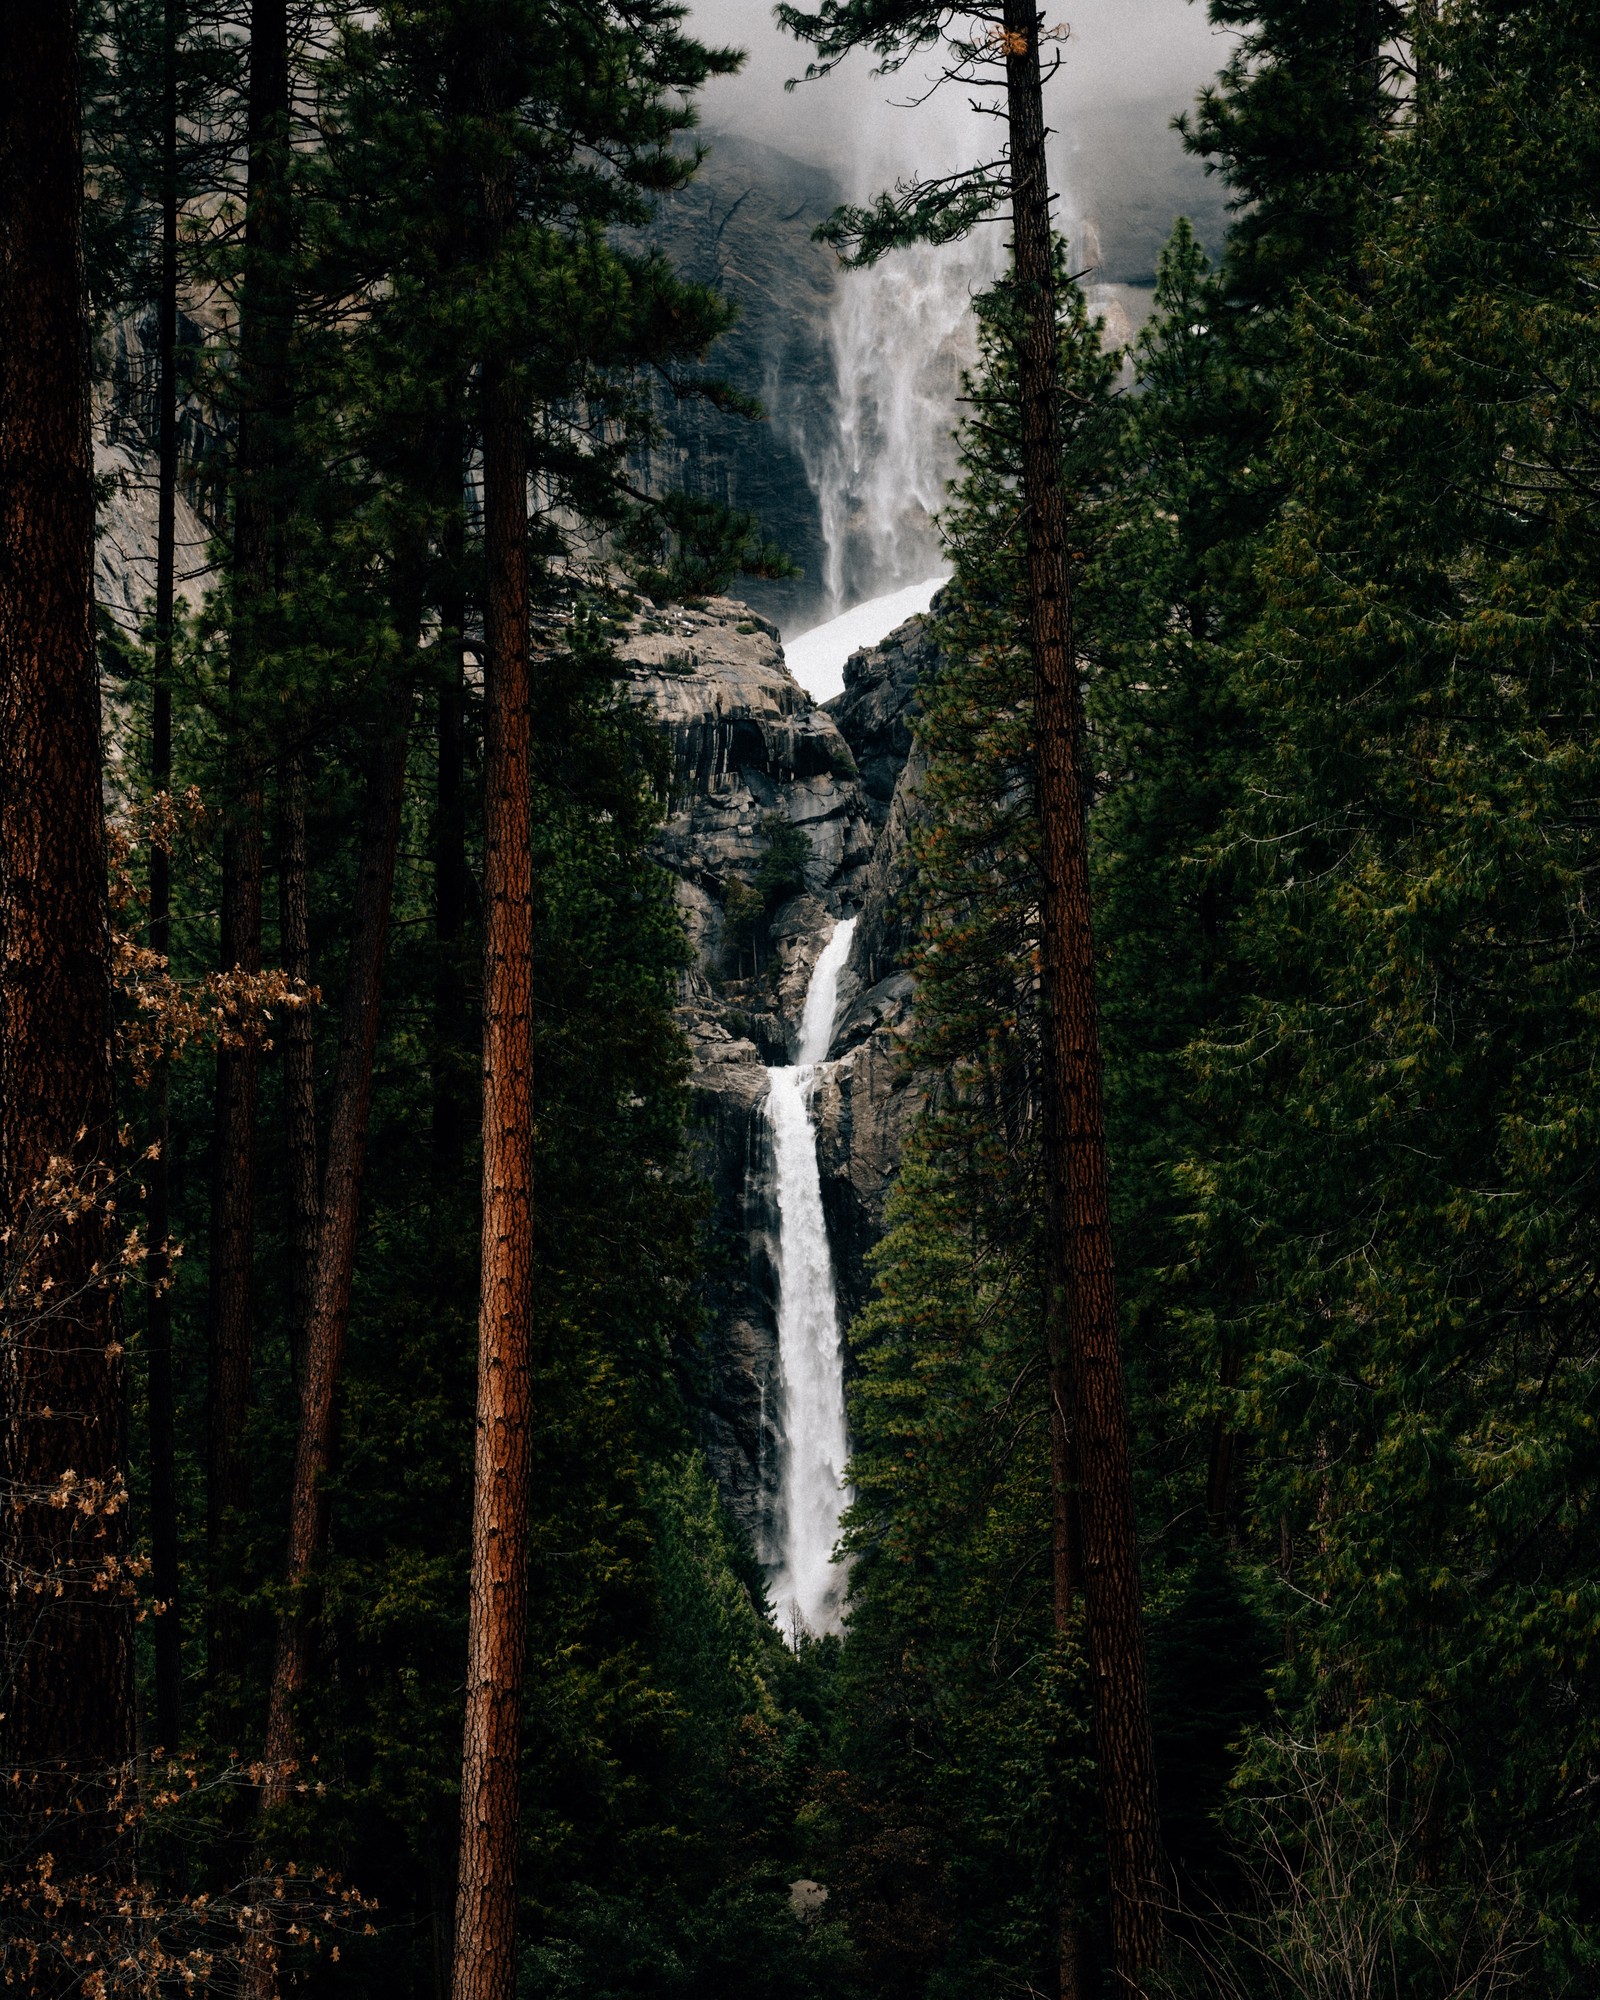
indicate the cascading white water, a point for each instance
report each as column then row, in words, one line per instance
column 900, row 333
column 808, row 1591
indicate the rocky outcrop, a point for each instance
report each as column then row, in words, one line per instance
column 753, row 761
column 869, row 1096
column 878, row 706
column 745, row 223
column 751, row 756
column 751, row 753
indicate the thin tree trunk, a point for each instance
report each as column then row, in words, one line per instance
column 262, row 342
column 160, row 1397
column 450, row 868
column 329, row 1319
column 232, row 1236
column 1064, row 1565
column 299, row 1079
column 1425, row 23
column 485, row 1941
column 66, row 1720
column 1064, row 1588
column 1075, row 1132
column 1063, row 1496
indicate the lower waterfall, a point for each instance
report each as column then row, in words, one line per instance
column 808, row 1591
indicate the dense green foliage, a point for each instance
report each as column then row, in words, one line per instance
column 663, row 1748
column 1337, row 606
column 960, row 1696
column 1336, row 538
column 1408, row 1170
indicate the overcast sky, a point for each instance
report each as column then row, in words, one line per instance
column 1151, row 53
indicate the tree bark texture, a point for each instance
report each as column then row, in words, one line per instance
column 299, row 1078
column 1070, row 1971
column 485, row 1941
column 159, row 1390
column 66, row 1695
column 261, row 360
column 329, row 1318
column 1077, row 1190
column 450, row 870
column 1063, row 1483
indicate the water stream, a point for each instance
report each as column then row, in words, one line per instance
column 808, row 1590
column 900, row 334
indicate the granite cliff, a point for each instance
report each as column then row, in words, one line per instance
column 752, row 756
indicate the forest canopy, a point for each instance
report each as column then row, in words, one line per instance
column 397, row 923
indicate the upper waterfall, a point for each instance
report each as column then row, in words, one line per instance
column 899, row 335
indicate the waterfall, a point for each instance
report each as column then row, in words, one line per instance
column 808, row 1591
column 900, row 333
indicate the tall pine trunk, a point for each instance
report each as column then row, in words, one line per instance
column 1063, row 1591
column 450, row 861
column 261, row 361
column 1077, row 1190
column 65, row 1719
column 160, row 1398
column 328, row 1321
column 485, row 1940
column 299, row 1076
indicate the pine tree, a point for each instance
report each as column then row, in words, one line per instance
column 962, row 1556
column 327, row 1320
column 1394, row 1089
column 1076, row 1190
column 66, row 1736
column 485, row 1956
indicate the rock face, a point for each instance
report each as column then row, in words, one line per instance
column 751, row 753
column 752, row 756
column 875, row 712
column 745, row 222
column 869, row 1096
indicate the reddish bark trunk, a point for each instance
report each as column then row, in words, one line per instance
column 329, row 1318
column 1064, row 1588
column 65, row 1730
column 450, row 880
column 299, row 1079
column 485, row 1940
column 1075, row 1131
column 1063, row 1495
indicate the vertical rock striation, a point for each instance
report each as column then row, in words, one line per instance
column 751, row 753
column 869, row 1095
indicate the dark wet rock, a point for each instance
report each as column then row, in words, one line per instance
column 878, row 707
column 750, row 747
column 746, row 222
